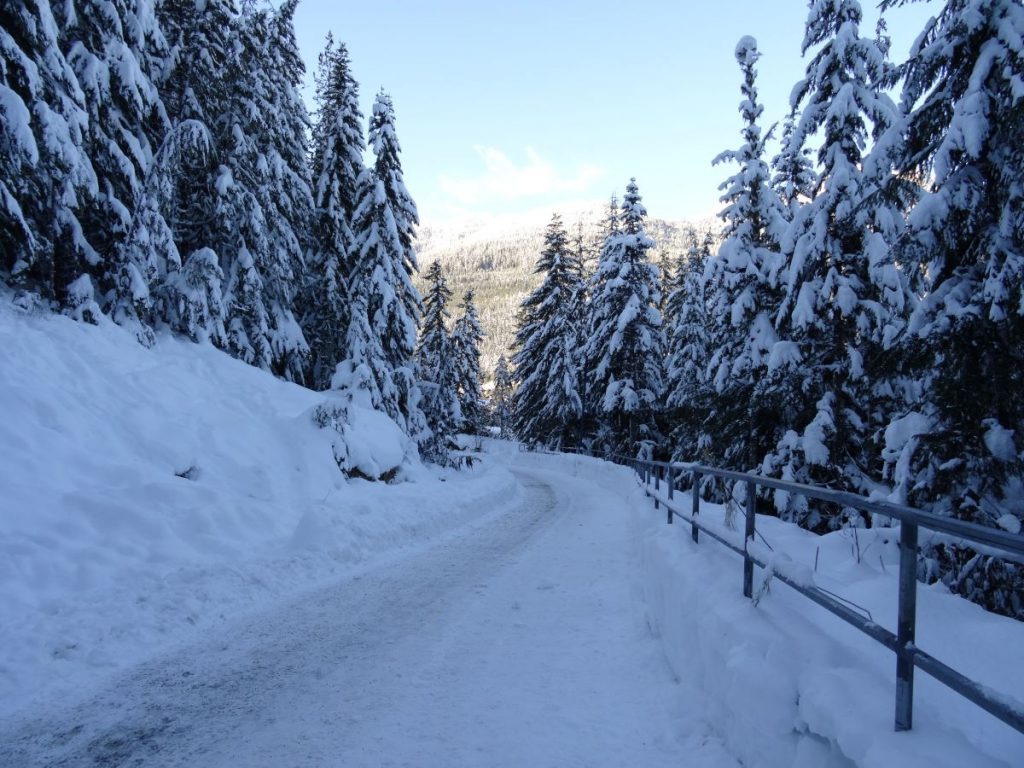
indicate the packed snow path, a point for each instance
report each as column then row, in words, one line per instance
column 520, row 642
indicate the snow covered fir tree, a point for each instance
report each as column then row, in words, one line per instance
column 438, row 370
column 547, row 405
column 501, row 399
column 735, row 339
column 623, row 355
column 954, row 439
column 844, row 300
column 686, row 353
column 466, row 337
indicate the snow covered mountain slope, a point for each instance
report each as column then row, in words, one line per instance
column 148, row 494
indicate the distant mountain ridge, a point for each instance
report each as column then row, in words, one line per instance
column 496, row 257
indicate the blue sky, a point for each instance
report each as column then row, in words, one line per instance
column 508, row 107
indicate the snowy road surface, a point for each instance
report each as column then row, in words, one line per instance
column 520, row 642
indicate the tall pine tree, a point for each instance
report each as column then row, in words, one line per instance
column 337, row 171
column 624, row 355
column 744, row 291
column 438, row 374
column 114, row 49
column 46, row 176
column 844, row 299
column 956, row 447
column 688, row 346
column 501, row 398
column 547, row 403
column 466, row 337
column 281, row 182
column 385, row 261
column 196, row 189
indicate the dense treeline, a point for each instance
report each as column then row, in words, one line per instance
column 497, row 264
column 158, row 167
column 860, row 324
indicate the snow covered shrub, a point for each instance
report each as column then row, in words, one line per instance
column 81, row 301
column 368, row 444
column 995, row 584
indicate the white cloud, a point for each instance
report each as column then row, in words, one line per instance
column 503, row 180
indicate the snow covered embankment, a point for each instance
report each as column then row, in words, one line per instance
column 788, row 684
column 147, row 494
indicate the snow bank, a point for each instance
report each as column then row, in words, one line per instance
column 789, row 684
column 147, row 494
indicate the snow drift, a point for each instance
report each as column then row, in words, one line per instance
column 147, row 493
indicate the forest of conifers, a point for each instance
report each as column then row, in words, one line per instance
column 857, row 322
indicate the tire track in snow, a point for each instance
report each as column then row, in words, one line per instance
column 175, row 709
column 520, row 642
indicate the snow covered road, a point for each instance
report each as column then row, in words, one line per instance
column 519, row 642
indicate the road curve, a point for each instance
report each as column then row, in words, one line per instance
column 519, row 643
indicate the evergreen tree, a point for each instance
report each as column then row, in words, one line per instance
column 239, row 234
column 547, row 404
column 384, row 232
column 568, row 367
column 338, row 140
column 688, row 342
column 280, row 176
column 610, row 228
column 623, row 357
column 46, row 176
column 198, row 196
column 744, row 292
column 956, row 447
column 196, row 88
column 380, row 336
column 466, row 337
column 198, row 310
column 365, row 367
column 438, row 375
column 672, row 266
column 844, row 300
column 337, row 168
column 114, row 49
column 253, row 221
column 582, row 248
column 388, row 166
column 502, row 397
column 184, row 293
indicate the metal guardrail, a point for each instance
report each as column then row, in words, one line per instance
column 908, row 656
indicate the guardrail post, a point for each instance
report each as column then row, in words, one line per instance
column 748, row 537
column 657, row 483
column 694, row 530
column 670, row 478
column 905, row 627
